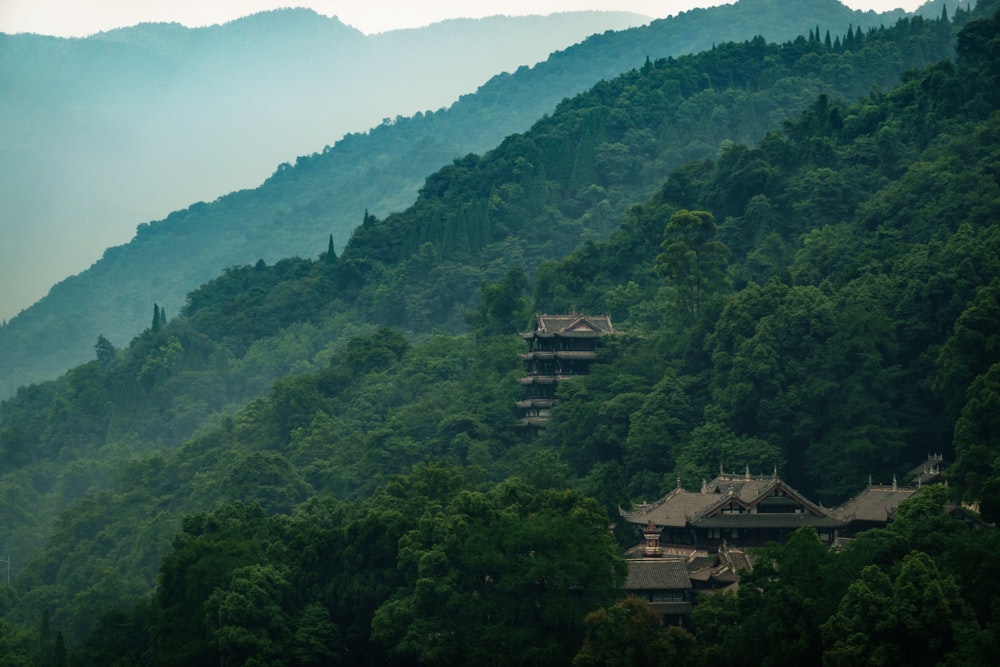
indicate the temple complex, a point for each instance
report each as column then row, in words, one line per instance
column 874, row 507
column 560, row 347
column 745, row 510
column 707, row 534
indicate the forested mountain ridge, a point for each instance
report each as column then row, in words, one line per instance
column 380, row 171
column 130, row 124
column 532, row 199
column 837, row 324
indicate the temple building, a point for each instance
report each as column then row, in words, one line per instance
column 743, row 510
column 703, row 539
column 930, row 471
column 560, row 347
column 665, row 584
column 874, row 507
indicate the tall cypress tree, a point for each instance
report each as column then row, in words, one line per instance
column 331, row 253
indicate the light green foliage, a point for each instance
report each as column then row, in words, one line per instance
column 693, row 262
column 860, row 630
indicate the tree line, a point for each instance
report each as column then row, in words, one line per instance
column 819, row 301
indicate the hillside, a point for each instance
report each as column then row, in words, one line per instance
column 296, row 210
column 836, row 325
column 104, row 132
column 822, row 301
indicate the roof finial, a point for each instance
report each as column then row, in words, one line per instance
column 869, row 481
column 678, row 481
column 730, row 486
column 720, row 469
column 704, row 485
column 746, row 475
column 774, row 473
column 893, row 482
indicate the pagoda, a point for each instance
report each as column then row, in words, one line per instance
column 560, row 348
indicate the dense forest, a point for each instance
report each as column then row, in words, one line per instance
column 381, row 170
column 821, row 299
column 130, row 124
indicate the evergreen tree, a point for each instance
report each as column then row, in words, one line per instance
column 331, row 253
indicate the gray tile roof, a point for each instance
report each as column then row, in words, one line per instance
column 672, row 510
column 571, row 325
column 647, row 574
column 875, row 503
column 681, row 507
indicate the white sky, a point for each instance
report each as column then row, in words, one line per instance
column 77, row 18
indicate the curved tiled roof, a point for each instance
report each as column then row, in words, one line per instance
column 656, row 574
column 875, row 503
column 673, row 510
column 681, row 507
column 570, row 325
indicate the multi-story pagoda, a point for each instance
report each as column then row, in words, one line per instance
column 560, row 347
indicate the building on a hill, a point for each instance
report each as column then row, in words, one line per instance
column 751, row 510
column 665, row 584
column 560, row 348
column 874, row 507
column 930, row 471
column 709, row 534
column 741, row 510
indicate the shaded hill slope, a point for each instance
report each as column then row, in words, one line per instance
column 480, row 221
column 103, row 132
column 295, row 211
column 847, row 286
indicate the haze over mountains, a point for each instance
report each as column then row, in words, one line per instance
column 294, row 212
column 279, row 469
column 100, row 134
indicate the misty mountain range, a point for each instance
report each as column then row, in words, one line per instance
column 323, row 194
column 105, row 132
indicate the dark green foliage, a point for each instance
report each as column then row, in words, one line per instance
column 381, row 169
column 845, row 334
column 502, row 577
column 693, row 262
column 503, row 308
column 631, row 633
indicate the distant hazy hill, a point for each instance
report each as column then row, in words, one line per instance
column 99, row 134
column 294, row 211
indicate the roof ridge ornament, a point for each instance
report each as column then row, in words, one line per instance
column 894, row 487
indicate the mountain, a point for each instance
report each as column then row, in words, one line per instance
column 820, row 302
column 295, row 211
column 104, row 132
column 487, row 219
